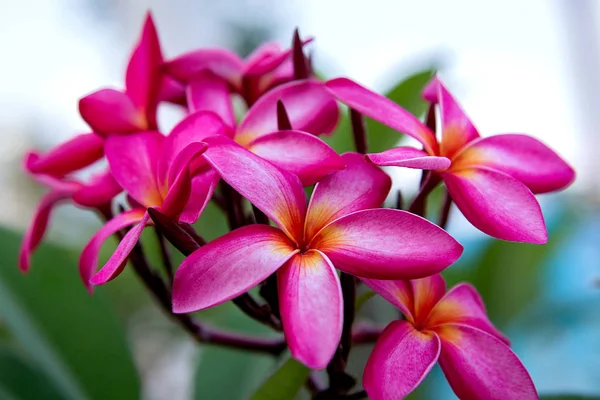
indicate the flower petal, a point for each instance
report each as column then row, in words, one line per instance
column 359, row 186
column 401, row 359
column 67, row 157
column 221, row 62
column 387, row 244
column 409, row 157
column 172, row 91
column 497, row 204
column 397, row 292
column 479, row 366
column 309, row 105
column 229, row 266
column 267, row 57
column 132, row 160
column 109, row 111
column 88, row 261
column 522, row 157
column 382, row 109
column 463, row 305
column 203, row 187
column 98, row 192
column 310, row 300
column 117, row 261
column 277, row 193
column 300, row 153
column 208, row 92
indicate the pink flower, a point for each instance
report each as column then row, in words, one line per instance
column 492, row 180
column 452, row 328
column 341, row 228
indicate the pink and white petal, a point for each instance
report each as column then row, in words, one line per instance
column 401, row 359
column 67, row 157
column 268, row 57
column 310, row 107
column 427, row 292
column 266, row 51
column 172, row 91
column 117, row 261
column 109, row 111
column 497, row 204
column 463, row 305
column 522, row 157
column 101, row 189
column 277, row 193
column 359, row 186
column 480, row 366
column 229, row 266
column 88, row 261
column 382, row 109
column 132, row 160
column 36, row 230
column 209, row 92
column 387, row 244
column 300, row 153
column 397, row 292
column 409, row 157
column 310, row 300
column 203, row 187
column 143, row 77
column 221, row 62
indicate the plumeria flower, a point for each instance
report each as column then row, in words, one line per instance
column 341, row 228
column 492, row 180
column 452, row 328
column 156, row 172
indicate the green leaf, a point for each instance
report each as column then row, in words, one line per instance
column 284, row 383
column 362, row 299
column 22, row 381
column 75, row 338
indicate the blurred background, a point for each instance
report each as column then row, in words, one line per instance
column 515, row 66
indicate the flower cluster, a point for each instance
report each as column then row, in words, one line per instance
column 290, row 247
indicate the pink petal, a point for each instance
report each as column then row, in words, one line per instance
column 117, row 261
column 479, row 366
column 401, row 359
column 267, row 57
column 387, row 244
column 172, row 91
column 497, row 204
column 98, row 192
column 88, row 261
column 143, row 78
column 221, row 62
column 463, row 305
column 359, row 186
column 67, row 157
column 397, row 292
column 109, row 111
column 203, row 187
column 208, row 92
column 36, row 230
column 382, row 109
column 132, row 160
column 522, row 157
column 310, row 300
column 409, row 157
column 300, row 153
column 178, row 194
column 229, row 266
column 310, row 106
column 427, row 292
column 277, row 193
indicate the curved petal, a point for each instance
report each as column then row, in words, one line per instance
column 409, row 157
column 67, row 157
column 98, row 192
column 397, row 292
column 497, row 204
column 172, row 91
column 267, row 57
column 221, row 62
column 277, row 193
column 310, row 300
column 132, row 160
column 117, row 261
column 203, row 187
column 359, row 186
column 300, row 153
column 209, row 92
column 463, row 305
column 36, row 230
column 109, row 111
column 520, row 156
column 229, row 266
column 479, row 366
column 382, row 109
column 88, row 261
column 178, row 194
column 310, row 107
column 387, row 244
column 401, row 359
column 427, row 292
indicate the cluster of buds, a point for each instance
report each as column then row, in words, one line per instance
column 306, row 256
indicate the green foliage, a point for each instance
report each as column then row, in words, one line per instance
column 285, row 382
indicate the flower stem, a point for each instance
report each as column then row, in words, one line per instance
column 359, row 131
column 445, row 213
column 418, row 205
column 164, row 253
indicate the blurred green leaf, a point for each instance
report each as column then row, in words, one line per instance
column 362, row 299
column 74, row 338
column 284, row 383
column 22, row 381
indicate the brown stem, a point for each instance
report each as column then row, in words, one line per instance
column 359, row 131
column 164, row 253
column 445, row 213
column 418, row 205
column 298, row 58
